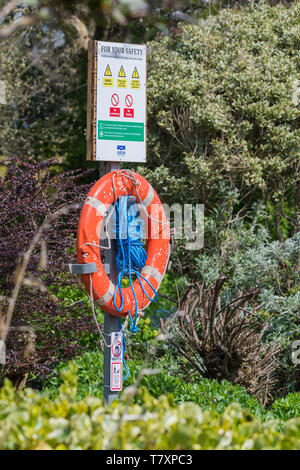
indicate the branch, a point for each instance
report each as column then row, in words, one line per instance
column 8, row 30
column 173, row 342
column 164, row 296
column 8, row 8
column 82, row 31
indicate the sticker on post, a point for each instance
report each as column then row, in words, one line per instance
column 116, row 377
column 116, row 367
column 117, row 349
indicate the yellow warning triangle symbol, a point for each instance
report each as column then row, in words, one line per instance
column 122, row 72
column 107, row 71
column 135, row 73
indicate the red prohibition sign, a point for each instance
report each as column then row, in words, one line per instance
column 128, row 100
column 114, row 99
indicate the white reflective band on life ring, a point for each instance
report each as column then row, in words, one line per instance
column 149, row 197
column 98, row 205
column 152, row 272
column 107, row 296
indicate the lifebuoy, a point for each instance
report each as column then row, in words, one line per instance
column 100, row 198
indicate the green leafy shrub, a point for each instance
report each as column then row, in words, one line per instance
column 31, row 420
column 223, row 107
column 89, row 369
column 287, row 407
column 225, row 132
column 208, row 394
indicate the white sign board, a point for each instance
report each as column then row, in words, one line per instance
column 116, row 364
column 121, row 102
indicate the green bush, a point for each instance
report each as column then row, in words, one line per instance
column 208, row 394
column 223, row 106
column 31, row 420
column 287, row 407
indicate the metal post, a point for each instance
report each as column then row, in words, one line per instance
column 111, row 323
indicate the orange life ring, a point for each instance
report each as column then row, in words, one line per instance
column 95, row 209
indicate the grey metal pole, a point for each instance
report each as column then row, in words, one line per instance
column 111, row 323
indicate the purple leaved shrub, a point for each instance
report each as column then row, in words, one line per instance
column 43, row 330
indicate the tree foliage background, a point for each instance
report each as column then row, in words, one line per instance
column 223, row 102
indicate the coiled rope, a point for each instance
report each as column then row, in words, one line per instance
column 130, row 259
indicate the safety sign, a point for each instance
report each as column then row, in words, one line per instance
column 116, row 376
column 114, row 112
column 129, row 113
column 122, row 72
column 121, row 102
column 107, row 78
column 128, row 100
column 114, row 99
column 117, row 349
column 116, row 362
column 135, row 73
column 135, row 84
column 121, row 80
column 107, row 72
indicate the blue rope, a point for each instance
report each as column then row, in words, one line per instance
column 130, row 259
column 123, row 351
